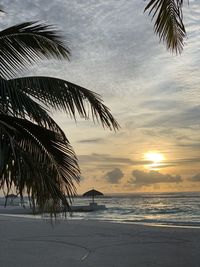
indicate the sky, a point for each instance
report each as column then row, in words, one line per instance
column 153, row 94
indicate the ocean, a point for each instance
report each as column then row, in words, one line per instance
column 182, row 209
column 149, row 208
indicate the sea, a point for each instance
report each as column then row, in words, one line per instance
column 172, row 209
column 181, row 209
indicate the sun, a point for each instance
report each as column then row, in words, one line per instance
column 155, row 160
column 155, row 157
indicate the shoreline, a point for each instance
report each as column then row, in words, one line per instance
column 26, row 214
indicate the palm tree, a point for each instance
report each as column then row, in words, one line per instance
column 35, row 155
column 168, row 22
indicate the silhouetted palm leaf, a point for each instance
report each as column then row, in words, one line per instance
column 23, row 44
column 38, row 161
column 35, row 154
column 168, row 22
column 15, row 102
column 63, row 95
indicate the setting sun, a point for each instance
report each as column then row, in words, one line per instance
column 154, row 157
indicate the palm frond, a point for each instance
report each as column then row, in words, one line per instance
column 45, row 167
column 17, row 103
column 36, row 156
column 26, row 43
column 63, row 95
column 5, row 150
column 168, row 22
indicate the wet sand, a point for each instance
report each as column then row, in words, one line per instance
column 73, row 243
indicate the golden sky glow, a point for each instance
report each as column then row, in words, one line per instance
column 154, row 95
column 155, row 157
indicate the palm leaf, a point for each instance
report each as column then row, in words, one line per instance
column 17, row 103
column 63, row 95
column 168, row 22
column 5, row 150
column 45, row 166
column 29, row 42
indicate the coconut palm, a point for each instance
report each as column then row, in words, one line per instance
column 168, row 22
column 36, row 156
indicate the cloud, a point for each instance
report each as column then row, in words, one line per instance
column 183, row 161
column 114, row 176
column 103, row 158
column 195, row 178
column 186, row 117
column 92, row 140
column 190, row 146
column 161, row 104
column 116, row 54
column 108, row 161
column 141, row 178
column 98, row 32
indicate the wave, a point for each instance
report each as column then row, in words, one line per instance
column 165, row 211
column 165, row 222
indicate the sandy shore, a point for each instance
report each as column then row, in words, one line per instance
column 33, row 242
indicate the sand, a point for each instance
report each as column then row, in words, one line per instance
column 78, row 243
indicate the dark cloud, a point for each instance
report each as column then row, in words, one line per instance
column 114, row 176
column 185, row 161
column 161, row 104
column 195, row 178
column 141, row 178
column 176, row 162
column 192, row 146
column 103, row 158
column 92, row 140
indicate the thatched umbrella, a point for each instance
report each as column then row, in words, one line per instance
column 92, row 193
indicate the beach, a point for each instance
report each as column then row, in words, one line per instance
column 82, row 243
